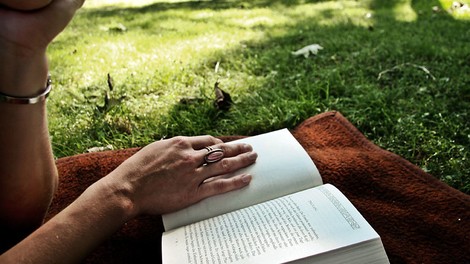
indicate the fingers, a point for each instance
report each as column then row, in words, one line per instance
column 229, row 150
column 222, row 185
column 197, row 149
column 236, row 157
column 200, row 142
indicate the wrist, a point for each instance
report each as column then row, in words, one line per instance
column 23, row 76
column 118, row 193
column 30, row 99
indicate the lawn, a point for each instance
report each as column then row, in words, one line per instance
column 398, row 70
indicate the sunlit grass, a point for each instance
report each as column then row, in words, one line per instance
column 404, row 12
column 162, row 57
column 457, row 13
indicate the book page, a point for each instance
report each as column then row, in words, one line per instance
column 283, row 167
column 285, row 229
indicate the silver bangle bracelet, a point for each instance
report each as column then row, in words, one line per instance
column 4, row 98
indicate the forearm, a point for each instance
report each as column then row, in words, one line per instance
column 22, row 72
column 72, row 234
column 28, row 175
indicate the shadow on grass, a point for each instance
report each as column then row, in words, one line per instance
column 399, row 43
column 198, row 5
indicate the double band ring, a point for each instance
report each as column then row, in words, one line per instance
column 213, row 155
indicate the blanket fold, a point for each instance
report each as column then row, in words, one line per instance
column 419, row 218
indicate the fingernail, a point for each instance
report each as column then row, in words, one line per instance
column 246, row 178
column 247, row 147
column 253, row 155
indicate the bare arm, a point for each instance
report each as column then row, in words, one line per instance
column 28, row 175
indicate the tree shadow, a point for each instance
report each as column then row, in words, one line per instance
column 401, row 35
column 348, row 39
column 197, row 5
column 406, row 49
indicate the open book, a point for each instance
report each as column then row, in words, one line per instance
column 286, row 214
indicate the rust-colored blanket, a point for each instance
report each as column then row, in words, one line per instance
column 420, row 219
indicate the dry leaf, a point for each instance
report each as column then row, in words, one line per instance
column 307, row 50
column 223, row 100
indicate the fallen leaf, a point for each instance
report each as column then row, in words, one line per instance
column 223, row 100
column 403, row 65
column 460, row 7
column 98, row 149
column 307, row 50
column 108, row 100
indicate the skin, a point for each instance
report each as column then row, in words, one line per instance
column 25, row 4
column 24, row 37
column 163, row 177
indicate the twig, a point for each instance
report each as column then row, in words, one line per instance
column 424, row 69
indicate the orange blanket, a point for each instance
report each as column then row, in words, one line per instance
column 420, row 219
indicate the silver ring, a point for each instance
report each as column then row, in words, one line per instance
column 209, row 149
column 213, row 155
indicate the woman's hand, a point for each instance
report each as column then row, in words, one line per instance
column 169, row 175
column 26, row 28
column 27, row 32
column 24, row 37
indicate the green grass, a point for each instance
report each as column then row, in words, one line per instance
column 398, row 70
